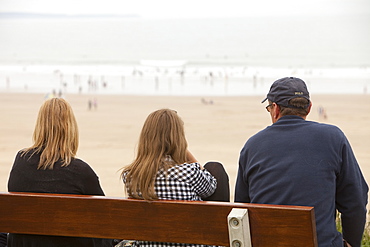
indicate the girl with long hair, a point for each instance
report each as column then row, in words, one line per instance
column 165, row 169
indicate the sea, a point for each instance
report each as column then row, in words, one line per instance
column 180, row 56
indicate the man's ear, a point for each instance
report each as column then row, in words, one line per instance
column 276, row 112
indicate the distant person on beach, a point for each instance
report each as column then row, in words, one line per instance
column 95, row 104
column 206, row 102
column 164, row 168
column 322, row 113
column 50, row 166
column 89, row 104
column 300, row 162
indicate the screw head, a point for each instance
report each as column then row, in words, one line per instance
column 236, row 243
column 234, row 222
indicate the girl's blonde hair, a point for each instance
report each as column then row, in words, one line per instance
column 56, row 134
column 162, row 144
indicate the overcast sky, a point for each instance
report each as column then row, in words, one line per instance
column 189, row 8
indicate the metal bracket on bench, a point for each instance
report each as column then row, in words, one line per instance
column 239, row 231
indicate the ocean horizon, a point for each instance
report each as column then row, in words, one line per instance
column 216, row 56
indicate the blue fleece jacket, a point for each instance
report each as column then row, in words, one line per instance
column 299, row 162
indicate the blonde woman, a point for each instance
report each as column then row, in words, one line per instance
column 50, row 166
column 165, row 169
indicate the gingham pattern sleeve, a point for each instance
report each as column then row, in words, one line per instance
column 184, row 182
column 202, row 181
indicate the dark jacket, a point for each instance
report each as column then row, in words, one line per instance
column 299, row 162
column 76, row 178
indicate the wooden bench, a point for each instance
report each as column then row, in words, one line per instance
column 164, row 221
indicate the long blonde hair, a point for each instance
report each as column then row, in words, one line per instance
column 56, row 134
column 162, row 136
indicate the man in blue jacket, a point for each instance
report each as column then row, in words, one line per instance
column 300, row 162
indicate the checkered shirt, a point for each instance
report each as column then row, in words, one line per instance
column 181, row 182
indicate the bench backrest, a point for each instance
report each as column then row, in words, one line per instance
column 164, row 221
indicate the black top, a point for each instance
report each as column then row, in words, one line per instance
column 76, row 178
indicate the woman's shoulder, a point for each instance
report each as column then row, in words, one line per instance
column 184, row 170
column 187, row 166
column 26, row 152
column 79, row 161
column 81, row 165
column 26, row 156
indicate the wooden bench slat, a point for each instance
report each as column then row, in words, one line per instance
column 163, row 221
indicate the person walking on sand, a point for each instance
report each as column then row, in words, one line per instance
column 50, row 166
column 299, row 162
column 164, row 168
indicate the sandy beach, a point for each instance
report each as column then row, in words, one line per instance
column 218, row 131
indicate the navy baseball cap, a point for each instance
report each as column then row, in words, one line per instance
column 285, row 89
